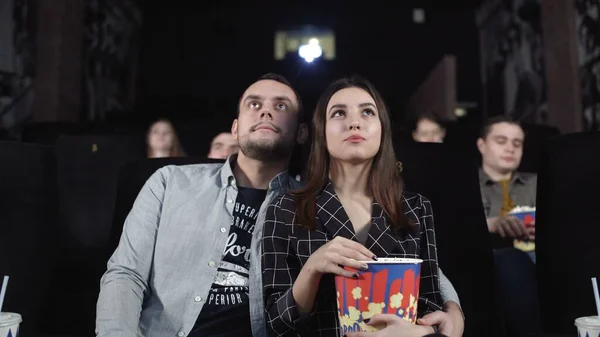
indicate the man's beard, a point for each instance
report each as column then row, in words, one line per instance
column 266, row 150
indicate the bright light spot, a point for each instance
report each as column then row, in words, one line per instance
column 309, row 52
column 418, row 15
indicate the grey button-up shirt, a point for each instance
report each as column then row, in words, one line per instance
column 159, row 277
column 522, row 191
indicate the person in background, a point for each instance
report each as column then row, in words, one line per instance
column 162, row 140
column 188, row 262
column 502, row 186
column 428, row 129
column 222, row 146
column 353, row 208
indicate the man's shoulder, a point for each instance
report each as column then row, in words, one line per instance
column 528, row 177
column 191, row 172
column 293, row 184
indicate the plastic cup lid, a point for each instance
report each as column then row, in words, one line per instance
column 391, row 260
column 590, row 322
column 9, row 318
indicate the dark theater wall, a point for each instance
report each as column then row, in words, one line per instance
column 196, row 61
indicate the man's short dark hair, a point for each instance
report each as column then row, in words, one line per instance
column 487, row 126
column 279, row 78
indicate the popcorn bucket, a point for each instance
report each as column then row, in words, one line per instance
column 389, row 286
column 525, row 214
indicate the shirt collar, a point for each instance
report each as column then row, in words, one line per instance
column 281, row 180
column 484, row 179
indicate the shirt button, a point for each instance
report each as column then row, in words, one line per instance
column 229, row 201
column 198, row 299
column 211, row 264
column 181, row 334
column 223, row 230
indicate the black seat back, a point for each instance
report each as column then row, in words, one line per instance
column 449, row 179
column 567, row 229
column 28, row 229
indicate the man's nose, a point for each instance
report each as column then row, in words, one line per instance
column 266, row 114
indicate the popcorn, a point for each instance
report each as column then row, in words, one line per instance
column 520, row 209
column 354, row 314
column 396, row 300
column 374, row 309
column 357, row 293
column 411, row 311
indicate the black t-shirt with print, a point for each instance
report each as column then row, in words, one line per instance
column 226, row 311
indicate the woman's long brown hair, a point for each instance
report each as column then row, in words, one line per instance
column 385, row 180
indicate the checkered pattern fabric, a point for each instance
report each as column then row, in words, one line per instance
column 287, row 246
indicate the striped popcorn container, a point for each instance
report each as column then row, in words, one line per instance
column 389, row 286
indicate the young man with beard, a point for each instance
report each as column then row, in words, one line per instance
column 183, row 265
column 188, row 263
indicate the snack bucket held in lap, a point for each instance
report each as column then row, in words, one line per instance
column 389, row 286
column 525, row 214
column 588, row 326
column 9, row 324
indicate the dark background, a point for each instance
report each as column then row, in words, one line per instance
column 196, row 60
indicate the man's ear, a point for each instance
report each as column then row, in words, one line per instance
column 302, row 134
column 481, row 145
column 234, row 129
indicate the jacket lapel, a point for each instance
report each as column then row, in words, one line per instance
column 379, row 239
column 335, row 222
column 331, row 215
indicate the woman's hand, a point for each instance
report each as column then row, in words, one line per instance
column 394, row 327
column 330, row 258
column 441, row 319
column 339, row 252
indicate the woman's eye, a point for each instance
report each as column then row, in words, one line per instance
column 369, row 112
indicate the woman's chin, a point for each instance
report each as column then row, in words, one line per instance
column 354, row 160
